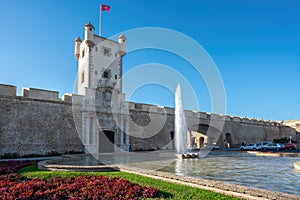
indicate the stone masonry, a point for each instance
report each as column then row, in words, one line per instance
column 32, row 125
column 36, row 127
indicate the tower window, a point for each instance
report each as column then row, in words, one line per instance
column 106, row 51
column 90, row 29
column 116, row 76
column 82, row 77
column 83, row 53
column 105, row 74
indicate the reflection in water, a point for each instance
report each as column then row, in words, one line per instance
column 152, row 160
column 272, row 173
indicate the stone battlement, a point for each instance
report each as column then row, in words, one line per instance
column 39, row 122
column 41, row 94
column 34, row 93
column 203, row 115
column 8, row 90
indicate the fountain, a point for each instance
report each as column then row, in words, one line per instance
column 181, row 144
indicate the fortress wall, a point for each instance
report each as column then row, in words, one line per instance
column 245, row 130
column 8, row 90
column 34, row 93
column 293, row 123
column 36, row 127
column 159, row 140
column 247, row 133
column 296, row 125
column 67, row 98
column 40, row 123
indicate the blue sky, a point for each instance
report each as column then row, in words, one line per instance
column 255, row 45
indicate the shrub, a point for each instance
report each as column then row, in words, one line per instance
column 10, row 155
column 13, row 166
column 284, row 140
column 13, row 186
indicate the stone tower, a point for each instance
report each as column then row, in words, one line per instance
column 99, row 59
column 99, row 80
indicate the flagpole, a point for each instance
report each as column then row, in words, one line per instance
column 100, row 31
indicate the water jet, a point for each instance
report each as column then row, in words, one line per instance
column 181, row 144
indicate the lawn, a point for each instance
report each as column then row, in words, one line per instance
column 167, row 190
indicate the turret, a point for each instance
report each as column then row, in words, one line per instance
column 89, row 31
column 77, row 47
column 122, row 41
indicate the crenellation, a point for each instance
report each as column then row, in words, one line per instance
column 217, row 117
column 169, row 111
column 237, row 119
column 245, row 120
column 138, row 106
column 261, row 122
column 203, row 115
column 196, row 114
column 34, row 93
column 131, row 105
column 25, row 92
column 227, row 118
column 146, row 107
column 237, row 126
column 159, row 109
column 188, row 113
column 273, row 124
column 67, row 97
column 8, row 90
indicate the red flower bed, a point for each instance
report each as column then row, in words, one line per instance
column 13, row 186
column 12, row 166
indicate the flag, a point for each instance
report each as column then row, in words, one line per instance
column 105, row 7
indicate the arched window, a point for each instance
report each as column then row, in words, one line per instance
column 201, row 141
column 82, row 77
column 83, row 53
column 228, row 140
column 172, row 139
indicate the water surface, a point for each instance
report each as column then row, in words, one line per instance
column 271, row 173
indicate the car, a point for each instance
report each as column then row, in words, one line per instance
column 271, row 147
column 211, row 146
column 263, row 145
column 216, row 147
column 280, row 146
column 289, row 146
column 250, row 147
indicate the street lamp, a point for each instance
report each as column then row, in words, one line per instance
column 290, row 139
